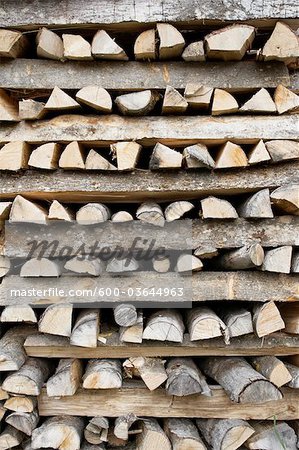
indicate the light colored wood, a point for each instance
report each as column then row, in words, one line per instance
column 122, row 216
column 237, row 320
column 282, row 45
column 23, row 421
column 194, row 52
column 152, row 436
column 223, row 103
column 60, row 101
column 96, row 430
column 64, row 433
column 164, row 157
column 96, row 97
column 183, row 434
column 151, row 213
column 267, row 319
column 294, row 371
column 196, row 156
column 184, row 378
column 4, row 210
column 122, row 425
column 31, row 109
column 42, row 267
column 133, row 333
column 198, row 95
column 102, row 374
column 92, row 213
column 171, row 43
column 84, row 264
column 21, row 313
column 165, row 325
column 216, row 208
column 76, row 47
column 45, row 156
column 125, row 315
column 49, row 45
column 3, row 395
column 286, row 198
column 258, row 154
column 72, row 157
column 66, row 379
column 145, row 45
column 270, row 436
column 261, row 102
column 59, row 212
column 161, row 264
column 285, row 100
column 283, row 150
column 14, row 156
column 176, row 210
column 229, row 43
column 120, row 265
column 29, row 379
column 272, row 368
column 173, row 102
column 188, row 263
column 13, row 44
column 224, row 434
column 21, row 403
column 4, row 265
column 231, row 155
column 290, row 316
column 8, row 108
column 10, row 437
column 56, row 319
column 242, row 258
column 12, row 353
column 203, row 323
column 86, row 328
column 104, row 47
column 95, row 161
column 206, row 251
column 257, row 206
column 150, row 370
column 137, row 103
column 127, row 154
column 278, row 260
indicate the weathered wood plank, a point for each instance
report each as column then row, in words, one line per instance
column 143, row 185
column 142, row 402
column 46, row 74
column 247, row 286
column 148, row 130
column 278, row 344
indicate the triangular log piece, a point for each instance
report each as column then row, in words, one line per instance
column 171, row 43
column 21, row 403
column 121, row 265
column 152, row 213
column 176, row 210
column 122, row 216
column 203, row 323
column 95, row 161
column 96, row 97
column 183, row 434
column 145, row 45
column 237, row 320
column 223, row 103
column 270, row 435
column 45, row 156
column 217, row 208
column 12, row 353
column 267, row 319
column 4, row 265
column 229, row 43
column 185, row 378
column 165, row 325
column 164, row 157
column 57, row 319
column 231, row 155
column 206, row 251
column 194, row 52
column 13, row 44
column 134, row 332
column 286, row 101
column 286, row 198
column 23, row 210
column 188, row 263
column 67, row 378
column 258, row 154
column 278, row 259
column 49, row 45
column 104, row 47
column 290, row 315
column 62, row 432
column 283, row 45
column 93, row 213
column 76, row 47
column 14, row 156
column 125, row 315
column 10, row 438
column 137, row 103
column 227, row 434
column 29, row 379
column 245, row 257
column 31, row 109
column 18, row 313
column 103, row 374
column 59, row 212
column 122, row 425
column 261, row 102
column 198, row 96
column 294, row 371
column 272, row 368
column 40, row 267
column 283, row 150
column 8, row 107
column 4, row 210
column 150, row 370
column 152, row 436
column 196, row 156
column 60, row 101
column 86, row 329
column 23, row 421
column 85, row 265
column 257, row 206
column 127, row 154
column 173, row 102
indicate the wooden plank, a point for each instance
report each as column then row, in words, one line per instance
column 46, row 74
column 171, row 130
column 74, row 187
column 142, row 402
column 281, row 230
column 248, row 286
column 278, row 344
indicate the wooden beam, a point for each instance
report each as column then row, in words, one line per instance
column 170, row 131
column 76, row 186
column 46, row 74
column 246, row 286
column 142, row 402
column 278, row 344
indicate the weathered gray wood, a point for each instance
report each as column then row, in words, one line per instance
column 224, row 434
column 185, row 378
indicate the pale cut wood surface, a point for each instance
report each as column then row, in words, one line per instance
column 142, row 402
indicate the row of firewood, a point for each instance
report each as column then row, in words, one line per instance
column 164, row 42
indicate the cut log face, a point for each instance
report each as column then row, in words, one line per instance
column 152, row 436
column 127, row 154
column 95, row 161
column 76, row 47
column 183, row 434
column 13, row 44
column 223, row 103
column 23, row 210
column 103, row 374
column 67, row 378
column 278, row 260
column 237, row 320
column 96, row 431
column 240, row 381
column 62, row 432
column 165, row 325
column 198, row 96
column 4, row 265
column 40, row 267
column 228, row 434
column 282, row 45
column 150, row 370
column 29, row 379
column 145, row 45
column 125, row 315
column 18, row 313
column 121, row 265
column 283, row 150
column 59, row 212
column 198, row 156
column 12, row 353
column 31, row 109
column 294, row 372
column 20, row 403
column 56, row 319
column 194, row 52
column 23, row 421
column 14, row 156
column 8, row 108
column 261, row 102
column 49, row 45
column 203, row 323
column 86, row 329
column 272, row 368
column 84, row 265
column 60, row 101
column 216, row 208
column 122, row 216
column 4, row 210
column 104, row 47
column 206, row 251
column 257, row 206
column 243, row 258
column 161, row 265
column 96, row 97
column 286, row 198
column 152, row 213
column 184, row 378
column 134, row 332
column 267, row 319
column 176, row 210
column 164, row 157
column 290, row 316
column 45, row 156
column 231, row 155
column 93, row 213
column 270, row 436
column 188, row 263
column 258, row 154
column 171, row 43
column 137, row 103
column 173, row 102
column 285, row 100
column 122, row 426
column 10, row 437
column 229, row 43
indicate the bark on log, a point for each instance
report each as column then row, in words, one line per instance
column 257, row 206
column 152, row 436
column 286, row 199
column 183, row 434
column 67, row 378
column 294, row 371
column 29, row 379
column 278, row 259
column 194, row 52
column 164, row 157
column 86, row 329
column 137, row 103
column 242, row 258
column 12, row 353
column 102, row 374
column 269, row 436
column 228, row 434
column 290, row 316
column 23, row 421
column 125, row 315
column 283, row 150
column 64, row 433
column 8, row 108
column 203, row 323
column 133, row 333
column 185, row 378
column 165, row 325
column 150, row 370
column 49, row 45
column 22, row 313
column 272, row 368
column 237, row 320
column 10, row 437
column 22, row 403
column 57, row 319
column 198, row 156
column 13, row 44
column 173, row 102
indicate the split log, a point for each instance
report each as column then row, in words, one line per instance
column 161, row 264
column 63, row 432
column 278, row 259
column 137, row 103
column 31, row 109
column 8, row 108
column 14, row 156
column 13, row 44
column 266, row 319
column 290, row 316
column 10, row 437
column 3, row 395
column 86, row 329
column 240, row 381
column 12, row 353
column 18, row 313
column 272, row 368
column 164, row 157
column 40, row 267
column 282, row 45
column 229, row 43
column 126, row 154
column 285, row 198
column 20, row 403
column 203, row 323
column 173, row 102
column 294, row 371
column 231, row 155
column 237, row 320
column 223, row 103
column 184, row 378
column 72, row 157
column 122, row 216
column 194, row 52
column 60, row 101
column 45, row 156
column 171, row 43
column 85, row 265
column 104, row 47
column 122, row 425
column 165, row 325
column 150, row 370
column 152, row 213
column 96, row 430
column 145, row 45
column 258, row 154
column 4, row 210
column 243, row 258
column 29, row 379
column 188, row 263
column 152, row 436
column 183, row 434
column 270, row 436
column 49, row 45
column 176, row 210
column 283, row 150
column 125, row 315
column 23, row 421
column 224, row 434
column 261, row 102
column 95, row 161
column 103, row 374
column 134, row 332
column 257, row 206
column 57, row 319
column 198, row 156
column 67, row 378
column 120, row 265
column 76, row 47
column 216, row 208
column 285, row 100
column 4, row 265
column 96, row 97
column 59, row 212
column 198, row 96
column 206, row 251
column 93, row 213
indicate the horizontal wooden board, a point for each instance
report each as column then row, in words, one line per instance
column 248, row 286
column 175, row 131
column 278, row 344
column 143, row 402
column 74, row 187
column 46, row 74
